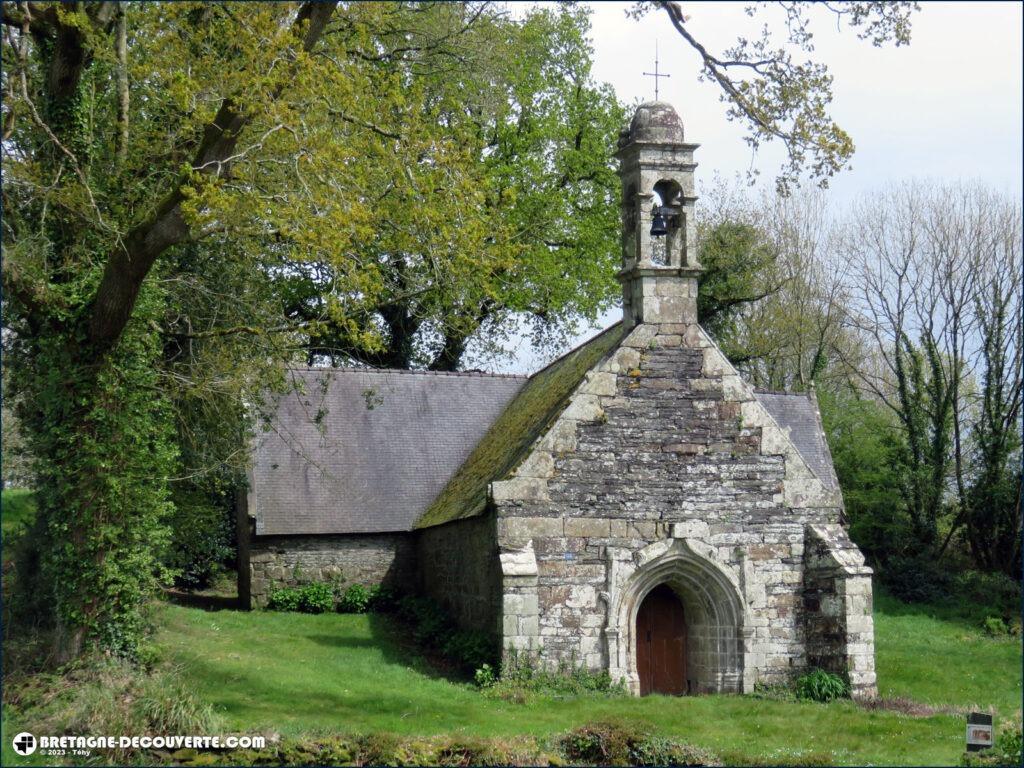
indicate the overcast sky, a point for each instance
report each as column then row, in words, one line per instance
column 948, row 106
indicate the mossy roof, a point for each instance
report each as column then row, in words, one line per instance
column 507, row 443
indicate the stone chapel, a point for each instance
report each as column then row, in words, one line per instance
column 635, row 506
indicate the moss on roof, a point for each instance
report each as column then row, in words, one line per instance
column 528, row 416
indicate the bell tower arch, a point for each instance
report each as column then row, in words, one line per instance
column 659, row 266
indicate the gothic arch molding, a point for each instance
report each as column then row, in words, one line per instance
column 712, row 602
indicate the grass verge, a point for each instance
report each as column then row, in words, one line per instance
column 301, row 675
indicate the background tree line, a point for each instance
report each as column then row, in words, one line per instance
column 905, row 314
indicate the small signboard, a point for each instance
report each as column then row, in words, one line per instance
column 979, row 731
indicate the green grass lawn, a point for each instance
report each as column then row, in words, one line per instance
column 302, row 675
column 18, row 508
column 941, row 661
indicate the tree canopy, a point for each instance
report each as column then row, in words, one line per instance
column 194, row 193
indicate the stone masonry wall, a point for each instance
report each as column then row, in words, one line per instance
column 459, row 568
column 837, row 602
column 664, row 443
column 369, row 559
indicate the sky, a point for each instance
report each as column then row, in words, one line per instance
column 948, row 106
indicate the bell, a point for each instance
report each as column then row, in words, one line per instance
column 659, row 227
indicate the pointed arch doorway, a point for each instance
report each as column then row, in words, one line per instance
column 661, row 643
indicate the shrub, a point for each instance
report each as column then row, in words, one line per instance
column 382, row 599
column 1006, row 751
column 375, row 749
column 356, row 599
column 382, row 749
column 995, row 627
column 286, row 599
column 485, row 676
column 917, row 579
column 469, row 649
column 429, row 621
column 201, row 538
column 773, row 691
column 432, row 628
column 523, row 675
column 658, row 750
column 823, row 686
column 602, row 743
column 104, row 695
column 28, row 593
column 988, row 594
column 309, row 598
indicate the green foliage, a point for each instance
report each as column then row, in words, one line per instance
column 777, row 98
column 917, row 579
column 739, row 264
column 28, row 597
column 309, row 598
column 201, row 537
column 993, row 502
column 516, row 213
column 975, row 592
column 433, row 629
column 614, row 743
column 470, row 649
column 107, row 696
column 995, row 627
column 102, row 442
column 378, row 748
column 1006, row 751
column 18, row 509
column 774, row 691
column 863, row 439
column 970, row 595
column 15, row 465
column 658, row 750
column 382, row 599
column 429, row 622
column 523, row 676
column 602, row 743
column 145, row 253
column 819, row 685
column 485, row 676
column 355, row 599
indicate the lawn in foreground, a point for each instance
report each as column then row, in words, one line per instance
column 301, row 675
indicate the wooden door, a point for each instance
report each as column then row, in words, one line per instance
column 661, row 643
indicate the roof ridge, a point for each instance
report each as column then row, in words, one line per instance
column 405, row 371
column 574, row 349
column 761, row 391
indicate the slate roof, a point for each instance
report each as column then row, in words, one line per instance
column 534, row 408
column 371, row 451
column 360, row 451
column 798, row 415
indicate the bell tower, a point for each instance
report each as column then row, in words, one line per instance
column 659, row 267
